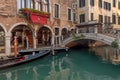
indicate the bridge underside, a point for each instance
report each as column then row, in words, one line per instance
column 85, row 43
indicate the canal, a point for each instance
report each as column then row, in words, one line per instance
column 76, row 64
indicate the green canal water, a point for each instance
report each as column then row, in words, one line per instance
column 76, row 64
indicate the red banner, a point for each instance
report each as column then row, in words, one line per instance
column 41, row 19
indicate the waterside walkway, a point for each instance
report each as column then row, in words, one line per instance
column 45, row 48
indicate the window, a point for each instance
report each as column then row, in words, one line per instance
column 29, row 4
column 118, row 5
column 41, row 6
column 100, row 18
column 113, row 19
column 19, row 4
column 74, row 5
column 114, row 3
column 74, row 17
column 56, row 11
column 23, row 4
column 119, row 20
column 82, row 18
column 33, row 4
column 92, row 17
column 92, row 2
column 81, row 3
column 69, row 14
column 100, row 3
column 48, row 7
column 107, row 6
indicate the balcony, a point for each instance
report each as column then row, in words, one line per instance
column 35, row 16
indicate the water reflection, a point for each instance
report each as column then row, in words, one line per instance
column 8, row 75
column 107, row 53
column 80, row 64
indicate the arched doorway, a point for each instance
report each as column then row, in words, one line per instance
column 24, row 36
column 64, row 33
column 44, row 36
column 56, row 31
column 2, row 40
column 72, row 31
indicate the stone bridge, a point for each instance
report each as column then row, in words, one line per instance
column 92, row 36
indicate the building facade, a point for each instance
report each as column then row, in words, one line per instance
column 35, row 23
column 104, row 13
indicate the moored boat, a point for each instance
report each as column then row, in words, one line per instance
column 22, row 58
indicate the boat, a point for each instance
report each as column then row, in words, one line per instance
column 22, row 58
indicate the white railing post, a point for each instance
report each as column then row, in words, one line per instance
column 95, row 29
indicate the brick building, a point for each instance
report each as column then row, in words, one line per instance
column 27, row 20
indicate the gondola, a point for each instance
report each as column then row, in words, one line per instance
column 22, row 58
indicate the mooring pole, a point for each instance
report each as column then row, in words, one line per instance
column 52, row 49
column 15, row 46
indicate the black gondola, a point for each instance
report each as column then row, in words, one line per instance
column 4, row 63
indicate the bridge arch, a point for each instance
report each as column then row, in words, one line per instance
column 90, row 36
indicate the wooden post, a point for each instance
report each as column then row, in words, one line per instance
column 27, row 42
column 52, row 49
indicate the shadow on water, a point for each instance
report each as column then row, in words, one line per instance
column 76, row 64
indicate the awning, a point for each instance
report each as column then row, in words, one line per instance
column 38, row 19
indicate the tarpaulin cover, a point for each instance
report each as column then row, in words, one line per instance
column 38, row 19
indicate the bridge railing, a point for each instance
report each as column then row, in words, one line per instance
column 106, row 33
